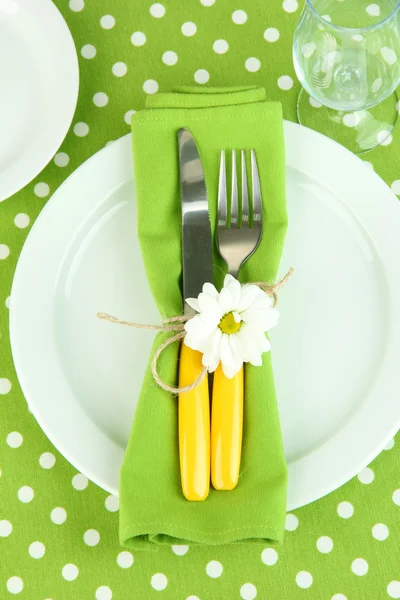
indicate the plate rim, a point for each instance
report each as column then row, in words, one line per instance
column 55, row 29
column 298, row 493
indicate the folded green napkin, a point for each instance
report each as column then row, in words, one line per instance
column 152, row 506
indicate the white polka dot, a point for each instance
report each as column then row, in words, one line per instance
column 5, row 384
column 103, row 593
column 91, row 537
column 373, row 10
column 388, row 55
column 150, row 86
column 47, row 460
column 21, row 220
column 138, row 38
column 384, row 137
column 214, row 569
column 359, row 566
column 112, row 503
column 308, row 49
column 351, row 119
column 201, row 76
column 41, row 189
column 220, row 46
column 81, row 129
column 88, row 51
column 369, row 165
column 398, row 106
column 291, row 523
column 285, row 82
column 76, row 5
column 7, row 303
column 125, row 559
column 100, row 99
column 324, row 544
column 327, row 18
column 252, row 64
column 207, row 2
column 189, row 28
column 107, row 22
column 304, row 579
column 192, row 598
column 395, row 189
column 110, row 142
column 271, row 34
column 159, row 582
column 58, row 515
column 269, row 556
column 339, row 597
column 396, row 497
column 376, row 85
column 15, row 585
column 128, row 116
column 357, row 37
column 61, row 159
column 290, row 6
column 5, row 528
column 25, row 493
column 37, row 549
column 345, row 510
column 157, row 10
column 119, row 69
column 70, row 572
column 14, row 439
column 393, row 589
column 180, row 549
column 170, row 58
column 79, row 481
column 390, row 444
column 380, row 531
column 366, row 476
column 239, row 17
column 248, row 591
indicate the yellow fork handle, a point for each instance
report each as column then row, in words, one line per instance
column 226, row 429
column 194, row 428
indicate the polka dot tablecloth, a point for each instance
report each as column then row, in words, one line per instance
column 58, row 531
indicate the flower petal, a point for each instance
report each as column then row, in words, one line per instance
column 261, row 318
column 198, row 333
column 225, row 301
column 248, row 295
column 230, row 361
column 212, row 355
column 234, row 287
column 208, row 304
column 193, row 303
column 249, row 346
column 210, row 290
column 262, row 300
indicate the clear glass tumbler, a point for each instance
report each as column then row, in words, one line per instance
column 347, row 57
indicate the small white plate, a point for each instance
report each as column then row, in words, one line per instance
column 39, row 81
column 335, row 352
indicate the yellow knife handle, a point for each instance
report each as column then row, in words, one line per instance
column 226, row 429
column 194, row 427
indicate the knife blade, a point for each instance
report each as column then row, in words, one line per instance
column 194, row 406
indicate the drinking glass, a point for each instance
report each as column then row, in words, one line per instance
column 347, row 57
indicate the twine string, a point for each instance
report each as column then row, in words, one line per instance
column 177, row 324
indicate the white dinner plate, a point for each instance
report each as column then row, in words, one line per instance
column 39, row 80
column 335, row 351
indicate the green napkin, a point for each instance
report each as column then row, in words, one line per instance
column 152, row 507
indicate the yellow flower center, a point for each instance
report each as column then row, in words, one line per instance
column 228, row 324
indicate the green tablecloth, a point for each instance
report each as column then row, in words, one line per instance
column 59, row 533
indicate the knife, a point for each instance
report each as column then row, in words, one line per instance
column 194, row 406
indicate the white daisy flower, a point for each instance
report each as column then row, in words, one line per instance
column 230, row 325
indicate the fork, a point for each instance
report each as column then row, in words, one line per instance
column 238, row 236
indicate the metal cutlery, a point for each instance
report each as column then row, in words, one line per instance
column 238, row 235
